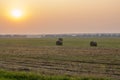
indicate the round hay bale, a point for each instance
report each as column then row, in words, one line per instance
column 93, row 44
column 59, row 42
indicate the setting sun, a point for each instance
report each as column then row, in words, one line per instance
column 16, row 13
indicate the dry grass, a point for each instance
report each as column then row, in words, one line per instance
column 64, row 60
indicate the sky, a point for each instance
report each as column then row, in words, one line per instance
column 59, row 16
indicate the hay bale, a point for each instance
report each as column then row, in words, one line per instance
column 93, row 44
column 59, row 42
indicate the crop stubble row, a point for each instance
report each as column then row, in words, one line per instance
column 63, row 60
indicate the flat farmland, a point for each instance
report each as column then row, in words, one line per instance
column 75, row 58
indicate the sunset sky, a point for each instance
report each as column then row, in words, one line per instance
column 59, row 16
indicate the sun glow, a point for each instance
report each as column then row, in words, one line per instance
column 16, row 13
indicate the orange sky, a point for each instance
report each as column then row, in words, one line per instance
column 60, row 16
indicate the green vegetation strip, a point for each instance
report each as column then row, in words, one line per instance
column 14, row 75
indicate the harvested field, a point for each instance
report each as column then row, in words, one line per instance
column 63, row 60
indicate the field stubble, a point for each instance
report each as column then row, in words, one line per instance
column 63, row 60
